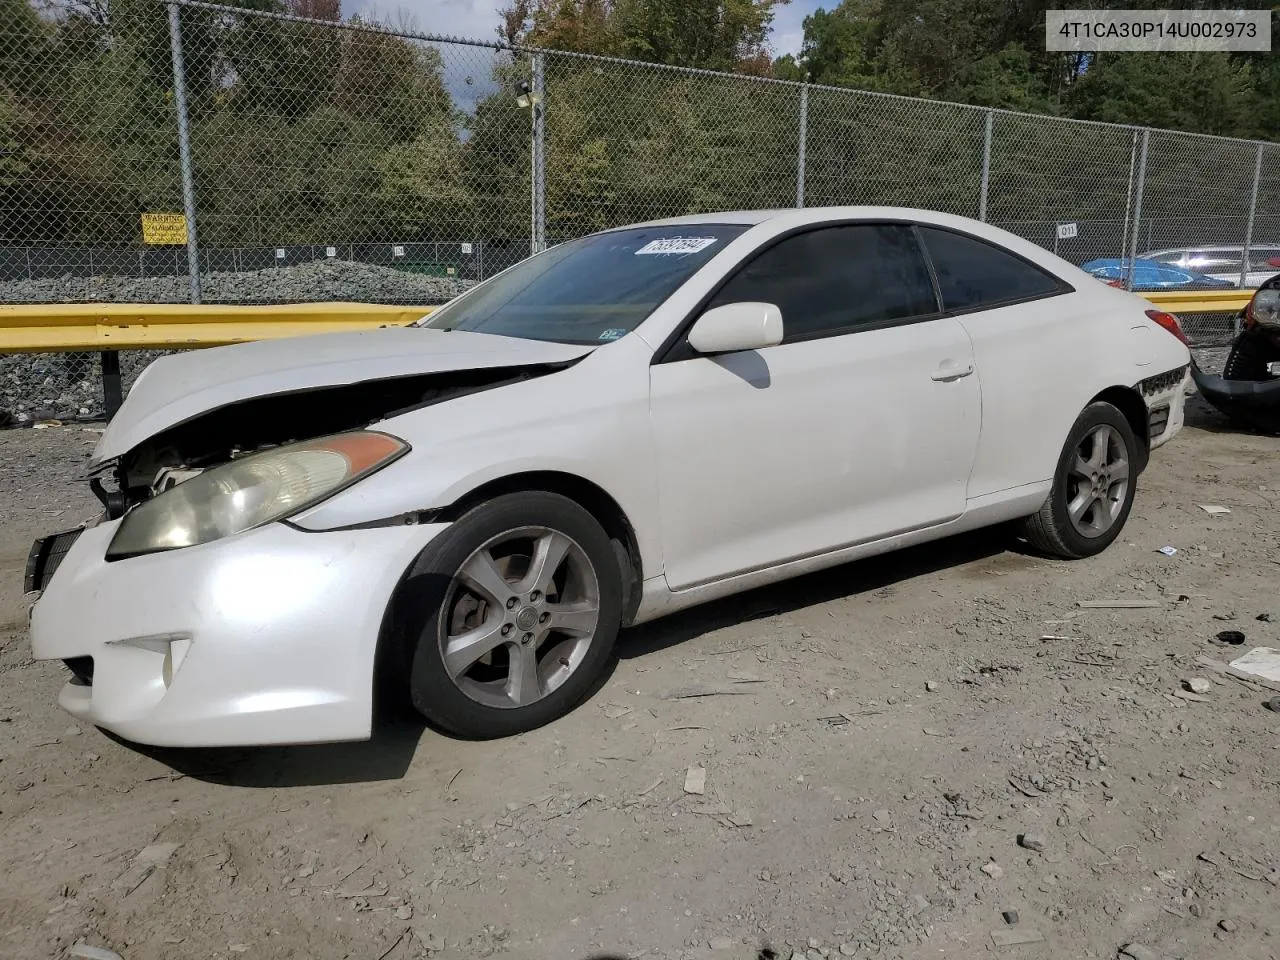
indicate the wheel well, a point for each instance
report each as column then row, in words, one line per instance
column 391, row 690
column 1130, row 403
column 587, row 495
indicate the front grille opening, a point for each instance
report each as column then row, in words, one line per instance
column 45, row 557
column 81, row 670
column 59, row 547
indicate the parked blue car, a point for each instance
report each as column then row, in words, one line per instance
column 1152, row 275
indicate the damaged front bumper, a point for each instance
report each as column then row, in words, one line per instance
column 1255, row 402
column 1248, row 391
column 265, row 637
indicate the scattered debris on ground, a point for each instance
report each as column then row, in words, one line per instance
column 953, row 751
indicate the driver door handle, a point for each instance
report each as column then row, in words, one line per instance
column 952, row 371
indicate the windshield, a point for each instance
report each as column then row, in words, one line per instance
column 591, row 290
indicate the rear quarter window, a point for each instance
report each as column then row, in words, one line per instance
column 975, row 275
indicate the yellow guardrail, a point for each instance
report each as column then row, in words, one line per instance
column 1201, row 301
column 30, row 328
column 40, row 327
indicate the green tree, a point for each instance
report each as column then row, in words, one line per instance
column 1202, row 92
column 1004, row 79
column 710, row 34
column 713, row 34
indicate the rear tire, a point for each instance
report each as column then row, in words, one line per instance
column 511, row 615
column 1093, row 487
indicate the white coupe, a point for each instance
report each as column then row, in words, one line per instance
column 619, row 427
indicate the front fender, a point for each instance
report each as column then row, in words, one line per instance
column 590, row 421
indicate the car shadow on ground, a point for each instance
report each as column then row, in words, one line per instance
column 1200, row 415
column 386, row 756
column 397, row 732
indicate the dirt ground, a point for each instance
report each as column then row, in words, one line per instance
column 876, row 739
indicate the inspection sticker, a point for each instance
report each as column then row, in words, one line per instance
column 676, row 245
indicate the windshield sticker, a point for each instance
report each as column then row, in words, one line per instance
column 613, row 333
column 676, row 245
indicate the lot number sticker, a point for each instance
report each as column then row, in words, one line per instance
column 676, row 245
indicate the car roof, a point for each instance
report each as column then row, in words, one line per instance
column 782, row 219
column 807, row 215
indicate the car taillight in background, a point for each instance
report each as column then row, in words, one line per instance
column 1263, row 309
column 1169, row 322
column 1119, row 284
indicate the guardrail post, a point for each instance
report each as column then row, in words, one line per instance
column 802, row 149
column 184, row 150
column 112, row 389
column 1137, row 209
column 538, row 230
column 986, row 166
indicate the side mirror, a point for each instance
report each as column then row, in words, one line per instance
column 737, row 326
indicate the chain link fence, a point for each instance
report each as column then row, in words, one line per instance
column 189, row 152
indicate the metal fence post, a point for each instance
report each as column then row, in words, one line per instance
column 184, row 150
column 986, row 166
column 1137, row 209
column 538, row 227
column 1253, row 207
column 803, row 143
column 1128, row 197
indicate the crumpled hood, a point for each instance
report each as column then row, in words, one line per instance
column 184, row 385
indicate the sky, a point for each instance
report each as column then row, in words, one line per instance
column 478, row 19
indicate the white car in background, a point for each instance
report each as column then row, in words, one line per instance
column 622, row 426
column 1223, row 261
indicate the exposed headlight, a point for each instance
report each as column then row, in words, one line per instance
column 249, row 492
column 1264, row 308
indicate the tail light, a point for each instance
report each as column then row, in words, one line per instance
column 1170, row 323
column 1263, row 309
column 1115, row 283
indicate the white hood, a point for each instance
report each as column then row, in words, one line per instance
column 184, row 385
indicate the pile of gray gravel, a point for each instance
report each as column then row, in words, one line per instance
column 60, row 386
column 304, row 282
column 38, row 386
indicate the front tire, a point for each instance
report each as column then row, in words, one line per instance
column 513, row 613
column 1093, row 487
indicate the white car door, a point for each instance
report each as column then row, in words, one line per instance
column 862, row 423
column 1031, row 338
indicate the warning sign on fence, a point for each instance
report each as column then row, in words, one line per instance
column 164, row 228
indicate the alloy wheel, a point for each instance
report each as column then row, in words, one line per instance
column 1098, row 479
column 519, row 617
